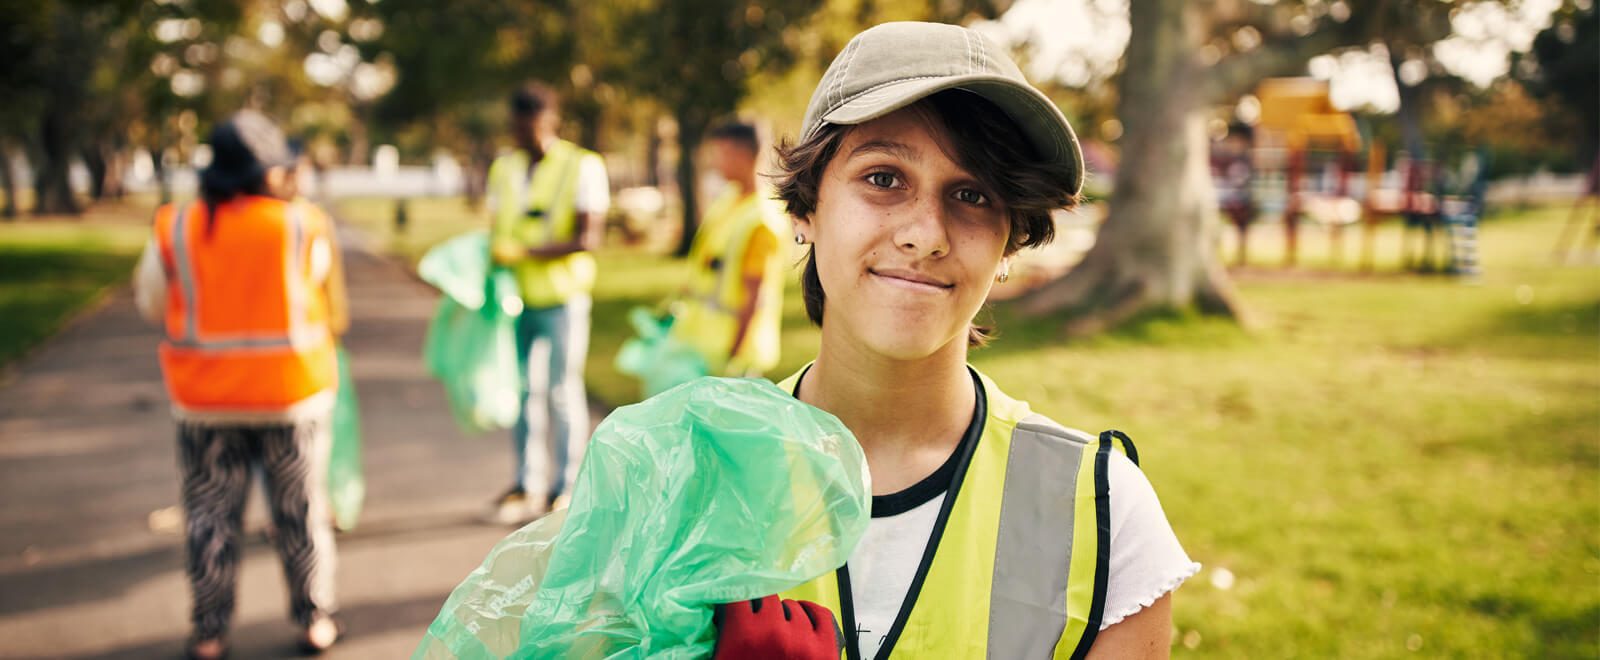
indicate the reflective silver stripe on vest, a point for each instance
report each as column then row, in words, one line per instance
column 1033, row 552
column 567, row 194
column 243, row 341
column 180, row 257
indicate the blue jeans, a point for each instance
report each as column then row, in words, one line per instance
column 552, row 344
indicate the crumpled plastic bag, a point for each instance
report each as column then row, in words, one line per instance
column 347, row 487
column 717, row 491
column 658, row 360
column 472, row 340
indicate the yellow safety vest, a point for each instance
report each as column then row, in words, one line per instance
column 1017, row 565
column 541, row 211
column 708, row 318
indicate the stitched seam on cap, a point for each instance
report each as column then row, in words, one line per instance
column 874, row 88
column 966, row 36
column 844, row 72
column 983, row 54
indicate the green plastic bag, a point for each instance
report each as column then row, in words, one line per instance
column 717, row 491
column 472, row 340
column 347, row 488
column 659, row 361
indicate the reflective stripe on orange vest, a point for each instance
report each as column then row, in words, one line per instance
column 236, row 343
column 300, row 331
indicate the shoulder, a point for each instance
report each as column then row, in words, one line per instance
column 591, row 165
column 507, row 161
column 164, row 217
column 1146, row 561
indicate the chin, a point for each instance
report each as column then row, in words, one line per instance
column 904, row 341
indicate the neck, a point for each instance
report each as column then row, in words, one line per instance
column 893, row 405
column 746, row 183
column 541, row 145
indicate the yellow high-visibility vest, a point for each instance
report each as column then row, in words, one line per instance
column 708, row 318
column 1018, row 562
column 541, row 211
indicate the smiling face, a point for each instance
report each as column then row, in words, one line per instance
column 907, row 242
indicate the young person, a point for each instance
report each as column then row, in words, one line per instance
column 732, row 310
column 246, row 284
column 549, row 199
column 926, row 161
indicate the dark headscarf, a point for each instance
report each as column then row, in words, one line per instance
column 243, row 148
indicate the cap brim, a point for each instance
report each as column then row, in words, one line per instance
column 1038, row 117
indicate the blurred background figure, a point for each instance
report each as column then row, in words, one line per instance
column 732, row 306
column 548, row 200
column 244, row 283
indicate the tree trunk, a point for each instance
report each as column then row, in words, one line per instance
column 1155, row 249
column 95, row 161
column 652, row 159
column 7, row 183
column 53, row 187
column 1410, row 109
column 690, row 128
column 158, row 161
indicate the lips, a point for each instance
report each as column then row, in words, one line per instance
column 911, row 278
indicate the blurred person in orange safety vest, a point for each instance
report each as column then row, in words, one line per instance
column 245, row 283
column 731, row 312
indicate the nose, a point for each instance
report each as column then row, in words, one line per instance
column 923, row 233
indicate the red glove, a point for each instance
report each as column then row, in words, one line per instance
column 779, row 630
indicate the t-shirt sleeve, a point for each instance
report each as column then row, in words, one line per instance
column 594, row 188
column 1147, row 562
column 760, row 250
column 150, row 283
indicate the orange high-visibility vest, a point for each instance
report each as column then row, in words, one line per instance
column 247, row 327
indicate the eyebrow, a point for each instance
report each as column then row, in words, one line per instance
column 897, row 149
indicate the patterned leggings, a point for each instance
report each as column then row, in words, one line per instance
column 217, row 462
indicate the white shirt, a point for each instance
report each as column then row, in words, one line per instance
column 1146, row 562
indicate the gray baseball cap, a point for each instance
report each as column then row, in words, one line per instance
column 893, row 65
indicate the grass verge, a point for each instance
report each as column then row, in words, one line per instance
column 1391, row 465
column 50, row 269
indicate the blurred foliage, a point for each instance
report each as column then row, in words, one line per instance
column 1564, row 65
column 51, row 270
column 95, row 80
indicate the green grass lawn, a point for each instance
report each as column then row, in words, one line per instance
column 1390, row 465
column 50, row 269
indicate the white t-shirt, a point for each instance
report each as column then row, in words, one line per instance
column 1146, row 560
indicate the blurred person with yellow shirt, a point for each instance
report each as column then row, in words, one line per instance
column 731, row 311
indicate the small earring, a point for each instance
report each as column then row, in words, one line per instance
column 799, row 239
column 1003, row 276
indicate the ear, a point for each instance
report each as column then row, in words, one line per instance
column 802, row 227
column 278, row 182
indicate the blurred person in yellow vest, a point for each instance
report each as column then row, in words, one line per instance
column 548, row 200
column 244, row 283
column 732, row 309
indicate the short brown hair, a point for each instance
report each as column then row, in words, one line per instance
column 986, row 143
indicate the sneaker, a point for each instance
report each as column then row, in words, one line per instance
column 320, row 635
column 515, row 508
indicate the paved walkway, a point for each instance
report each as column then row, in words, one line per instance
column 90, row 554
